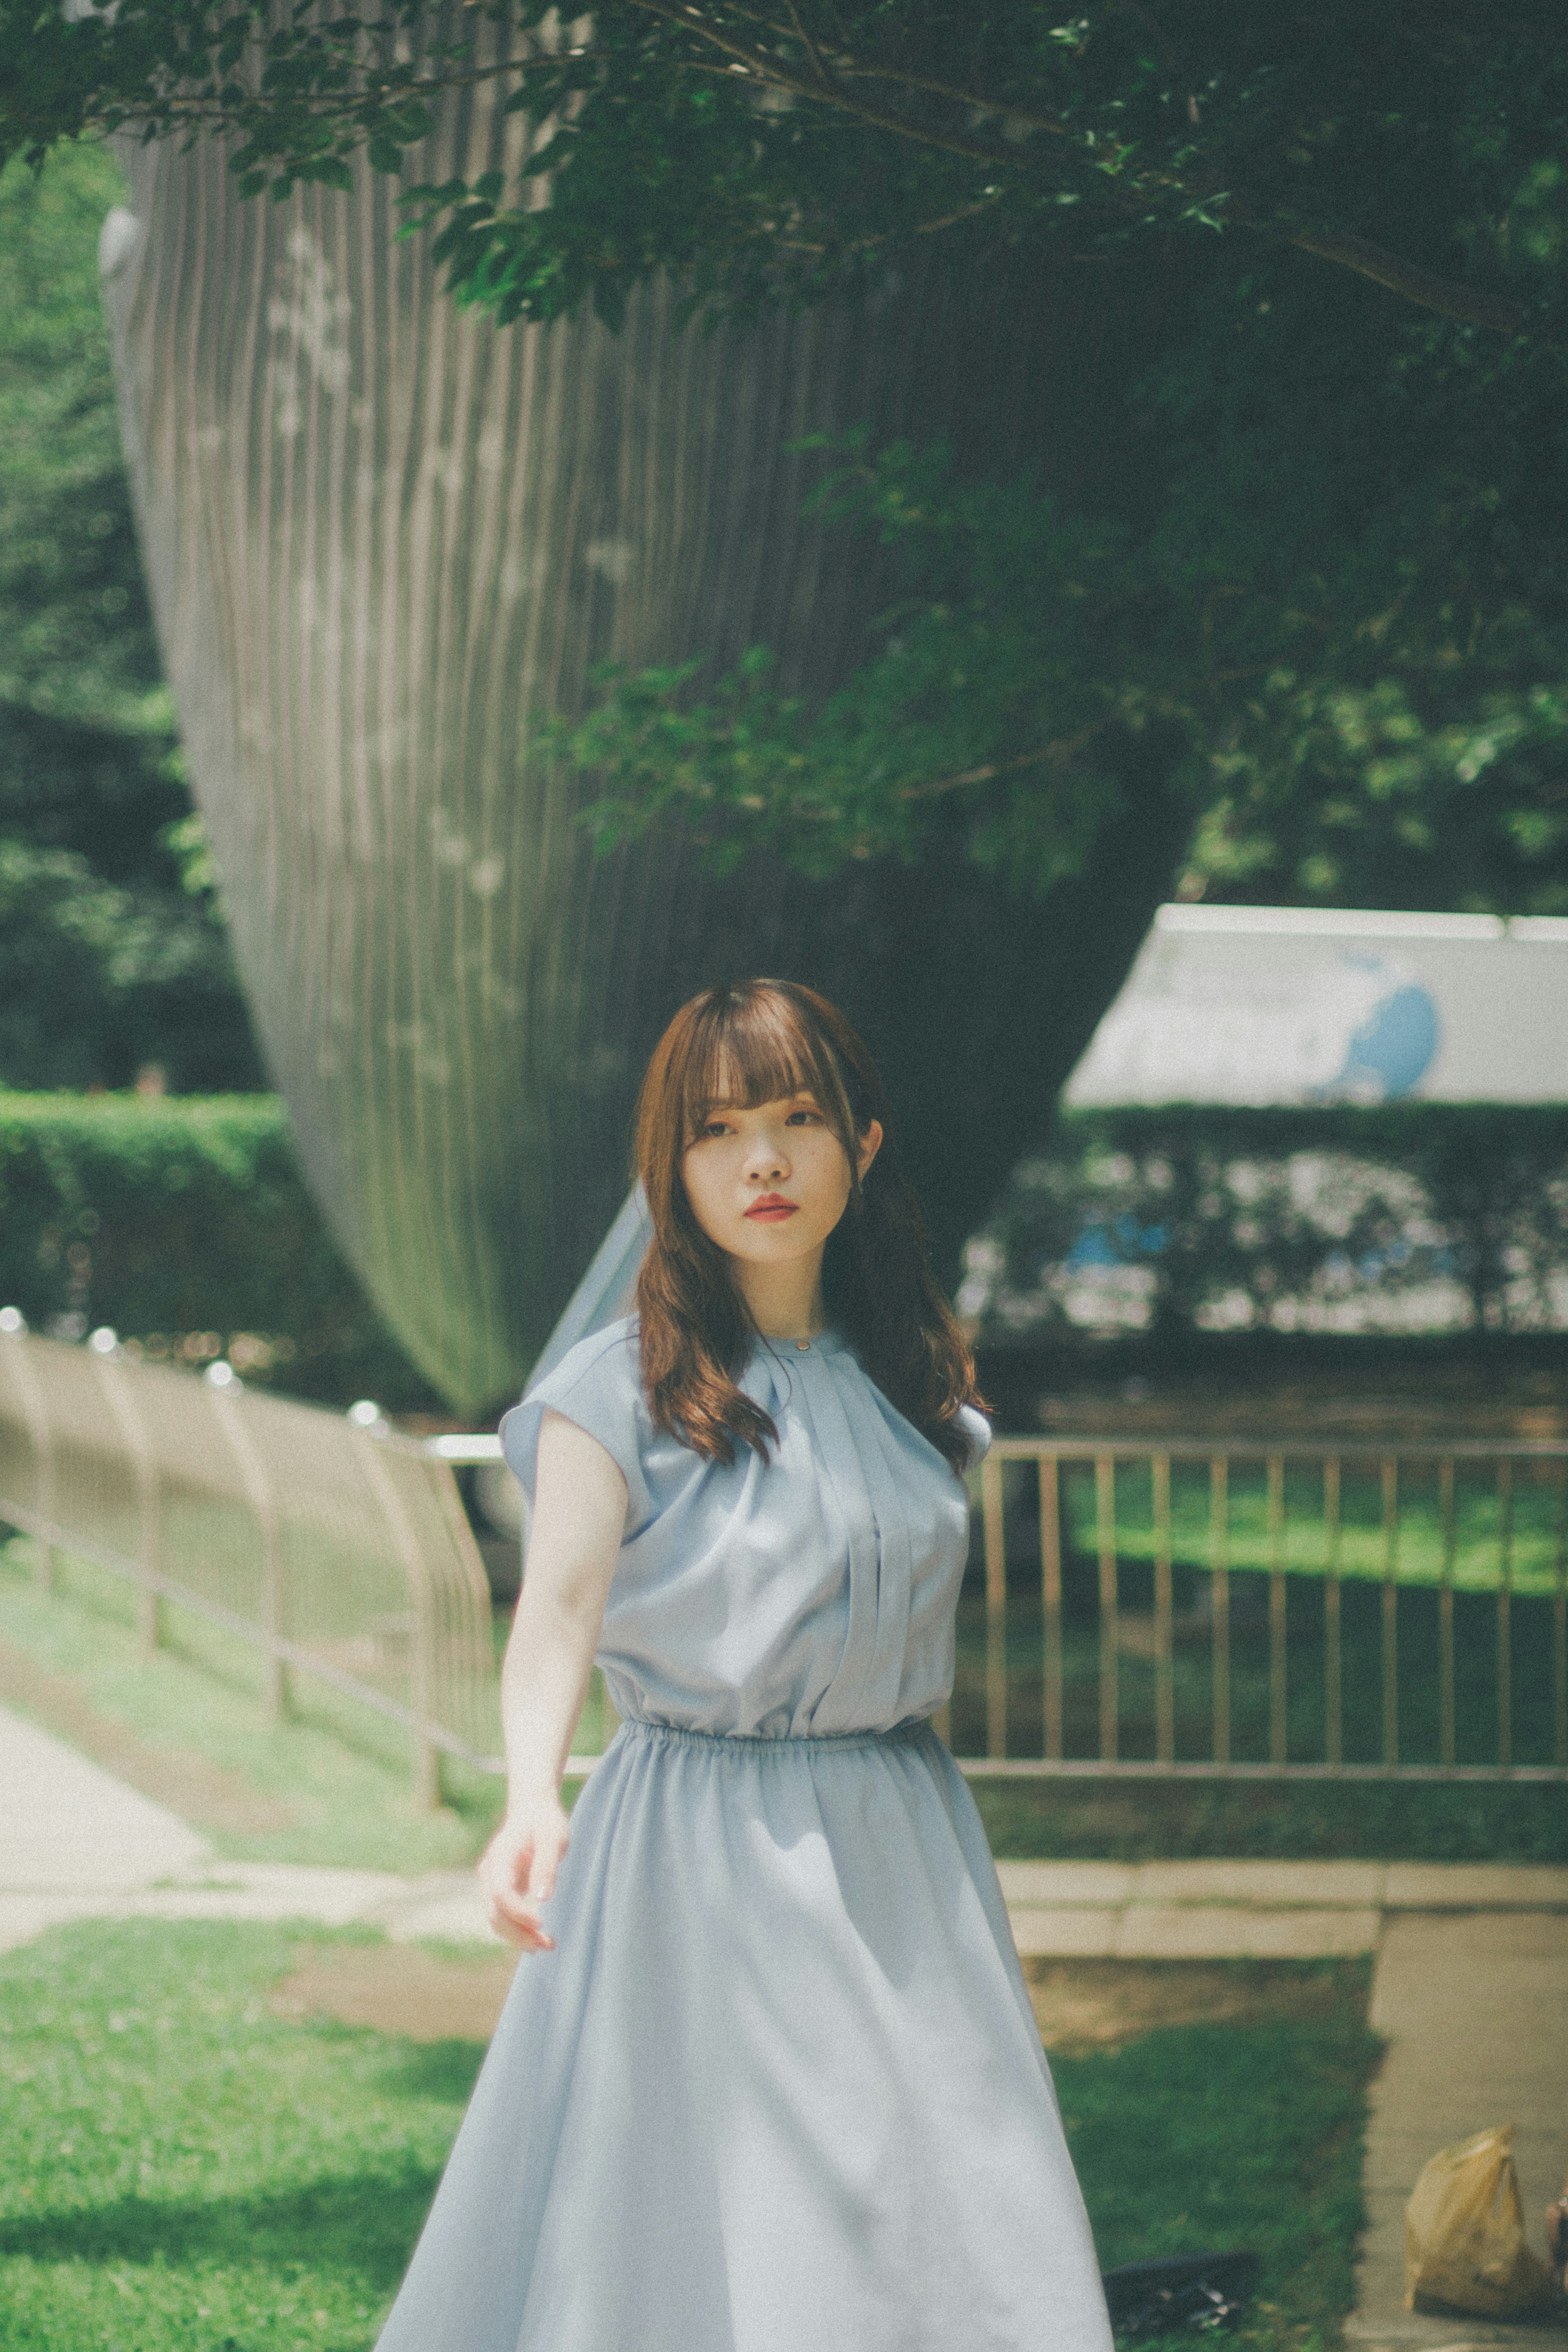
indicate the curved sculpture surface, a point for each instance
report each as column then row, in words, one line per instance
column 381, row 533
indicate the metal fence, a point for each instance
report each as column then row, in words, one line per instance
column 340, row 1553
column 1276, row 1609
column 1181, row 1607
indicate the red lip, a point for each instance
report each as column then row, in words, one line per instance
column 772, row 1207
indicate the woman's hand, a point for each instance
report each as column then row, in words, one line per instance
column 517, row 1871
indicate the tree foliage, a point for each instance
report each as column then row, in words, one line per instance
column 1322, row 560
column 112, row 953
column 1357, row 662
column 186, row 1226
column 786, row 150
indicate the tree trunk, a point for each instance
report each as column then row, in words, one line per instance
column 380, row 534
column 989, row 999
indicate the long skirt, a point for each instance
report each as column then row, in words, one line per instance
column 779, row 2088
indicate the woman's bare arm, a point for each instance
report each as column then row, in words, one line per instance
column 579, row 1513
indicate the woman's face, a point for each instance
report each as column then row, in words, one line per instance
column 768, row 1185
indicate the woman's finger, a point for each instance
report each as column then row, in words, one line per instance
column 513, row 1918
column 517, row 1871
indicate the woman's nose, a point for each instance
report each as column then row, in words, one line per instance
column 766, row 1160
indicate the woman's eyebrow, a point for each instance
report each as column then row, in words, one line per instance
column 733, row 1102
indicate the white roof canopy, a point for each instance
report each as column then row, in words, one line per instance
column 1309, row 1005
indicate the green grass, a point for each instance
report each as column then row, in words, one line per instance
column 188, row 1725
column 1171, row 1820
column 1148, row 1819
column 331, row 1786
column 1203, row 2137
column 181, row 2168
column 183, row 2171
column 1523, row 1521
column 1528, row 1671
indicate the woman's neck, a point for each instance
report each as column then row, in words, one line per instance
column 785, row 1302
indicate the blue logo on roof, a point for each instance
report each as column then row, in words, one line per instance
column 1392, row 1051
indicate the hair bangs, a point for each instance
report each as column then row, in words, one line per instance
column 754, row 1044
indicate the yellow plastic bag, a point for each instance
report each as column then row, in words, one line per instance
column 1464, row 2233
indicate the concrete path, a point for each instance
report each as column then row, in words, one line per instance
column 1251, row 1910
column 68, row 1827
column 1469, row 1986
column 76, row 1844
column 1469, row 1989
column 1475, row 2009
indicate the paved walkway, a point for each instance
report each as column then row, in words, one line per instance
column 1475, row 2009
column 1469, row 1985
column 76, row 1844
column 1253, row 1910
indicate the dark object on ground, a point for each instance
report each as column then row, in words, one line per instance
column 1557, row 2237
column 1179, row 2292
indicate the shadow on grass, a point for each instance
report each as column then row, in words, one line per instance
column 1135, row 1820
column 446, row 2070
column 1222, row 2136
column 362, row 2226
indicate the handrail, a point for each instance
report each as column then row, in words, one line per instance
column 1125, row 1645
column 1258, row 1449
column 340, row 1553
column 1470, row 1526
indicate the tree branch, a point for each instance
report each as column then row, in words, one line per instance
column 759, row 67
column 824, row 77
column 824, row 83
column 1051, row 753
column 194, row 111
column 1449, row 295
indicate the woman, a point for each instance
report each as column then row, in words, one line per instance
column 777, row 2087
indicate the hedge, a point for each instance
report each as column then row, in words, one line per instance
column 182, row 1222
column 1421, row 1217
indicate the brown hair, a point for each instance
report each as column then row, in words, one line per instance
column 757, row 1042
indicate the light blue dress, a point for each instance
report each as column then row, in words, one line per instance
column 780, row 2088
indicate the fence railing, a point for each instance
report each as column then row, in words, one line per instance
column 1178, row 1608
column 341, row 1553
column 1268, row 1609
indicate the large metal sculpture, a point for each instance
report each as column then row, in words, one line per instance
column 380, row 534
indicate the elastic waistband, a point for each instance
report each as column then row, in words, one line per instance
column 736, row 1744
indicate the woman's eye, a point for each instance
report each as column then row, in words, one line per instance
column 799, row 1118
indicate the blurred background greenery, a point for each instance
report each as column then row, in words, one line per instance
column 113, row 958
column 148, row 1178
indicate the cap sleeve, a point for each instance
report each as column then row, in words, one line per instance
column 598, row 1384
column 977, row 1429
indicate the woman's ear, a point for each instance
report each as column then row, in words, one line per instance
column 870, row 1144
